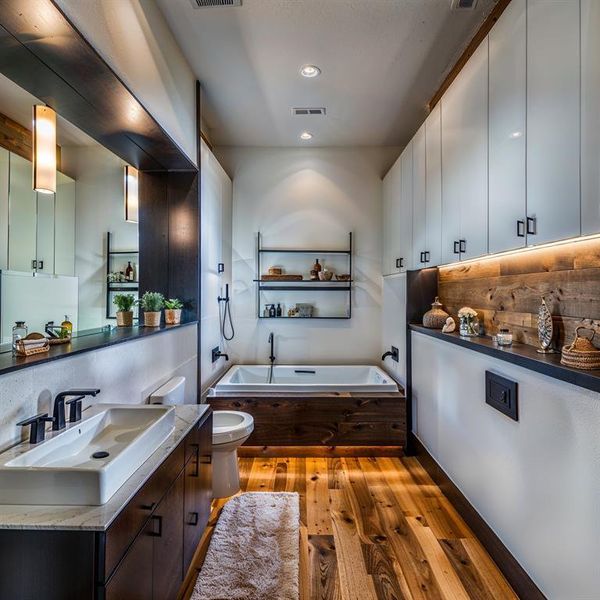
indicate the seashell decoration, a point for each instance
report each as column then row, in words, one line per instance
column 449, row 325
column 545, row 328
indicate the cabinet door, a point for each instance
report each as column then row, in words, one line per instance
column 405, row 209
column 133, row 577
column 198, row 492
column 387, row 250
column 433, row 185
column 508, row 103
column 553, row 114
column 419, row 232
column 590, row 117
column 167, row 553
column 392, row 216
column 21, row 216
column 45, row 233
column 64, row 247
column 4, row 169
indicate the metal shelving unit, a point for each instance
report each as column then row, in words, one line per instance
column 304, row 285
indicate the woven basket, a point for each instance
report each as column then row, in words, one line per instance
column 23, row 350
column 581, row 353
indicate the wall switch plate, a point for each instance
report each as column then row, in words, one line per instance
column 501, row 394
column 395, row 354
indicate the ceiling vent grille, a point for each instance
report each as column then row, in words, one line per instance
column 308, row 112
column 213, row 3
column 463, row 4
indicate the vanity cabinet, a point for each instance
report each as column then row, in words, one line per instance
column 144, row 553
column 553, row 120
column 507, row 106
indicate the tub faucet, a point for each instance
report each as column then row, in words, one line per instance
column 393, row 353
column 271, row 358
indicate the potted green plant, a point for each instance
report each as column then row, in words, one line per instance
column 173, row 308
column 124, row 304
column 152, row 303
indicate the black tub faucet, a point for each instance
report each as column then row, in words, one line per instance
column 58, row 415
column 271, row 340
column 393, row 353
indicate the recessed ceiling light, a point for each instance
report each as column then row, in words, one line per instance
column 310, row 71
column 306, row 135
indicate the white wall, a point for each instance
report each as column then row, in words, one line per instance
column 308, row 197
column 126, row 373
column 216, row 207
column 98, row 176
column 134, row 39
column 393, row 324
column 536, row 482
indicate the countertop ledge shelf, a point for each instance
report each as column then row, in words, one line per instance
column 98, row 518
column 521, row 355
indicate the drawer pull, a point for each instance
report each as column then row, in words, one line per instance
column 520, row 228
column 149, row 507
column 157, row 519
column 206, row 460
column 193, row 519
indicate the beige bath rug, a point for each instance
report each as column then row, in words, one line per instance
column 254, row 551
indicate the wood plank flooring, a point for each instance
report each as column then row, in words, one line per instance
column 373, row 529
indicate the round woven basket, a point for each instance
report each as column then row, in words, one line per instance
column 581, row 353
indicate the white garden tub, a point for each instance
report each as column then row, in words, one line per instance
column 305, row 379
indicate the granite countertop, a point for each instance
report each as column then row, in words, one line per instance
column 98, row 518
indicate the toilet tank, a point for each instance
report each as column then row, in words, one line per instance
column 172, row 392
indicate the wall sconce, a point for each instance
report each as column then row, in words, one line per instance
column 44, row 149
column 131, row 195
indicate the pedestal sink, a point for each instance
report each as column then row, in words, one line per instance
column 89, row 461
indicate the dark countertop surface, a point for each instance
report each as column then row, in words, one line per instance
column 522, row 355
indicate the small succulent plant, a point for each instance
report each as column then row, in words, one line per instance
column 173, row 304
column 124, row 302
column 152, row 301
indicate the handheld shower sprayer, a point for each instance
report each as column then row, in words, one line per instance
column 226, row 315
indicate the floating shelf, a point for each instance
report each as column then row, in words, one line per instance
column 305, row 285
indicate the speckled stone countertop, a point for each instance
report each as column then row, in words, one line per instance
column 98, row 518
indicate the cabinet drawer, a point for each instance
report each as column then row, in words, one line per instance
column 133, row 517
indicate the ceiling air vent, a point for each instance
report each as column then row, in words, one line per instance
column 212, row 3
column 308, row 112
column 463, row 4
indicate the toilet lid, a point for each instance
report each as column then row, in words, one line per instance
column 231, row 425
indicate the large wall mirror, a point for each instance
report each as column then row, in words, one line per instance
column 63, row 255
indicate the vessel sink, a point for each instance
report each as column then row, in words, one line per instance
column 86, row 463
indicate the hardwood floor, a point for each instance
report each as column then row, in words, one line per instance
column 373, row 529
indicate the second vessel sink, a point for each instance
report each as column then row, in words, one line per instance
column 87, row 462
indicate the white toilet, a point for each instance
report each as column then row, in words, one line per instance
column 230, row 430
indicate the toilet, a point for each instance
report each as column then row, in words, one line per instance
column 230, row 430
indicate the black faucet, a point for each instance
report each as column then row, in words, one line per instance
column 37, row 431
column 58, row 419
column 271, row 340
column 393, row 353
column 217, row 354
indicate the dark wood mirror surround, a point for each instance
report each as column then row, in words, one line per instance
column 44, row 53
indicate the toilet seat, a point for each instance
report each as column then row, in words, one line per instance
column 230, row 426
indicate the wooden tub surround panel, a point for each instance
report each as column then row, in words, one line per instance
column 506, row 290
column 324, row 420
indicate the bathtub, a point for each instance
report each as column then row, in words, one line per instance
column 305, row 379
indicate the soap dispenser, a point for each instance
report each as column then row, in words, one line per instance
column 272, row 311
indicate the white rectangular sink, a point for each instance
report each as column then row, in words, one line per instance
column 62, row 471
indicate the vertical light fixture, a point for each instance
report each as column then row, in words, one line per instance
column 44, row 149
column 131, row 195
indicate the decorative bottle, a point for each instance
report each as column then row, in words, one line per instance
column 19, row 331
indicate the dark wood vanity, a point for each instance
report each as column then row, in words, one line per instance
column 146, row 550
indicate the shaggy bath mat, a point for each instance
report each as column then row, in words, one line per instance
column 254, row 551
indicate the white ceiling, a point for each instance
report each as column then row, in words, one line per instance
column 381, row 62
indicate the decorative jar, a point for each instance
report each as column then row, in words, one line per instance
column 469, row 323
column 435, row 318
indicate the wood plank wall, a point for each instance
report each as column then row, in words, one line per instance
column 506, row 291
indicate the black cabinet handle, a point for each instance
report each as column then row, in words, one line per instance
column 531, row 226
column 456, row 248
column 422, row 257
column 462, row 246
column 193, row 519
column 399, row 263
column 426, row 253
column 40, row 265
column 157, row 519
column 149, row 507
column 34, row 264
column 520, row 228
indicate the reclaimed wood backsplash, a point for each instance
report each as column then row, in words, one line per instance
column 506, row 291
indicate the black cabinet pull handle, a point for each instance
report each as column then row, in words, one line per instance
column 422, row 257
column 531, row 226
column 462, row 246
column 34, row 264
column 456, row 248
column 41, row 265
column 193, row 519
column 426, row 253
column 149, row 507
column 520, row 228
column 401, row 263
column 157, row 519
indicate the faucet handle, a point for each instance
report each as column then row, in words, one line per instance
column 74, row 405
column 37, row 432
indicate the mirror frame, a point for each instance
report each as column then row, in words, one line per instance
column 79, row 85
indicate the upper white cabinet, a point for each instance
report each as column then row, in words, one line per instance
column 391, row 220
column 590, row 116
column 4, row 178
column 465, row 161
column 419, row 198
column 433, row 186
column 406, row 208
column 553, row 120
column 507, row 122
